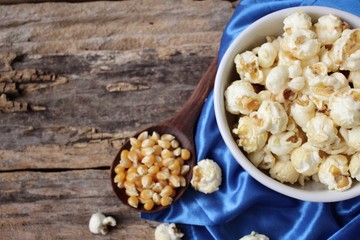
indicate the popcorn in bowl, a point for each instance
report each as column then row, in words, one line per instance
column 299, row 114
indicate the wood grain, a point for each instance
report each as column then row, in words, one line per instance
column 76, row 79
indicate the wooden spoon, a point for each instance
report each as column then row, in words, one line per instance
column 182, row 126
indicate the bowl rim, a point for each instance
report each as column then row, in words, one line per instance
column 220, row 113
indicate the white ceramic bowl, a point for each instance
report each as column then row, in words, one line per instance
column 251, row 37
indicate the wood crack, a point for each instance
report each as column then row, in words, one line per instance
column 52, row 170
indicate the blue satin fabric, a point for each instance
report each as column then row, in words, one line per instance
column 242, row 204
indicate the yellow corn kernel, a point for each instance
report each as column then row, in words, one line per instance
column 138, row 184
column 157, row 188
column 156, row 198
column 163, row 174
column 182, row 181
column 167, row 162
column 148, row 143
column 157, row 150
column 130, row 189
column 184, row 169
column 174, row 143
column 146, row 151
column 135, row 143
column 342, row 181
column 149, row 204
column 174, row 181
column 166, row 201
column 132, row 177
column 142, row 136
column 175, row 171
column 167, row 191
column 175, row 165
column 153, row 170
column 164, row 144
column 124, row 154
column 146, row 194
column 120, row 177
column 131, row 169
column 155, row 136
column 119, row 168
column 185, row 154
column 142, row 170
column 121, row 184
column 133, row 156
column 146, row 181
column 166, row 153
column 125, row 163
column 149, row 160
column 177, row 152
column 167, row 137
column 133, row 201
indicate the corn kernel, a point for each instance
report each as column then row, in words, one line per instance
column 185, row 154
column 131, row 169
column 119, row 169
column 157, row 150
column 133, row 156
column 167, row 162
column 124, row 155
column 149, row 160
column 174, row 143
column 175, row 165
column 131, row 177
column 153, row 170
column 174, row 180
column 163, row 175
column 146, row 194
column 142, row 170
column 148, row 143
column 166, row 154
column 146, row 151
column 167, row 137
column 165, row 201
column 155, row 136
column 182, row 181
column 184, row 169
column 135, row 142
column 146, row 181
column 142, row 136
column 156, row 198
column 133, row 201
column 130, row 189
column 177, row 152
column 164, row 144
column 120, row 177
column 149, row 204
column 157, row 188
column 167, row 191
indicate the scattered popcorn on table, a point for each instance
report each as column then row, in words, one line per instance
column 206, row 176
column 167, row 231
column 99, row 223
column 299, row 114
column 255, row 236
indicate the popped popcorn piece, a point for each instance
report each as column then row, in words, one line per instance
column 333, row 172
column 297, row 21
column 250, row 138
column 328, row 28
column 277, row 79
column 283, row 143
column 285, row 58
column 167, row 231
column 297, row 83
column 354, row 77
column 284, row 171
column 206, row 176
column 325, row 57
column 321, row 131
column 315, row 70
column 240, row 97
column 345, row 108
column 254, row 236
column 302, row 110
column 267, row 54
column 354, row 166
column 352, row 137
column 99, row 223
column 345, row 51
column 273, row 117
column 295, row 70
column 306, row 159
column 302, row 44
column 247, row 65
column 262, row 159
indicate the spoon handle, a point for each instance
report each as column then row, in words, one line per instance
column 186, row 119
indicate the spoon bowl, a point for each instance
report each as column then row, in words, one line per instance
column 181, row 126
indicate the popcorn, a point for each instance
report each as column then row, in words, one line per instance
column 250, row 138
column 352, row 137
column 283, row 143
column 328, row 28
column 346, row 50
column 276, row 80
column 254, row 236
column 167, row 231
column 267, row 54
column 241, row 98
column 354, row 166
column 297, row 21
column 99, row 223
column 302, row 110
column 206, row 176
column 306, row 159
column 345, row 108
column 333, row 172
column 284, row 171
column 302, row 44
column 247, row 65
column 273, row 117
column 321, row 131
column 304, row 122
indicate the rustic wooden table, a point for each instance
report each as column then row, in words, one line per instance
column 76, row 79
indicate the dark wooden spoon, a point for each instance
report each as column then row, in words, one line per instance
column 182, row 126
